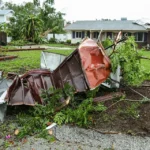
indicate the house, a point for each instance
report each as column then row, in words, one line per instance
column 110, row 28
column 5, row 18
column 5, row 15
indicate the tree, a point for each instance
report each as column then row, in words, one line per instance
column 37, row 2
column 22, row 20
column 32, row 28
column 21, row 13
column 53, row 21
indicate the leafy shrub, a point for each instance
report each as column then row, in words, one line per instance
column 68, row 41
column 41, row 40
column 18, row 42
column 127, row 56
column 81, row 115
column 37, row 117
column 107, row 42
column 61, row 42
column 52, row 40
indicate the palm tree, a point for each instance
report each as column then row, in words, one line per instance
column 32, row 28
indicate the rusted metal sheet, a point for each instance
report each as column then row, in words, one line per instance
column 26, row 90
column 23, row 49
column 7, row 57
column 70, row 71
column 85, row 69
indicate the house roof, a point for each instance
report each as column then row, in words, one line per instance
column 4, row 12
column 105, row 25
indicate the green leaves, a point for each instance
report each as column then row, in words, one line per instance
column 128, row 58
column 32, row 28
column 37, row 2
column 30, row 20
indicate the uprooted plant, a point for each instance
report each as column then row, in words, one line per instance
column 78, row 112
column 127, row 56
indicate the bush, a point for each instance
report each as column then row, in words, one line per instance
column 18, row 43
column 52, row 40
column 61, row 42
column 41, row 40
column 127, row 56
column 68, row 41
column 107, row 42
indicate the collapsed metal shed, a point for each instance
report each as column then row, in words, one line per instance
column 85, row 69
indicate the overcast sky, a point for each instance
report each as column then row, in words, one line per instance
column 98, row 9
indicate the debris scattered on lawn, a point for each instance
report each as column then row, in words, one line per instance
column 108, row 97
column 85, row 69
column 16, row 132
column 8, row 136
column 51, row 126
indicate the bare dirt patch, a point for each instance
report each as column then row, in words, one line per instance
column 131, row 117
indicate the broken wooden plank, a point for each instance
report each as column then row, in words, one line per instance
column 108, row 97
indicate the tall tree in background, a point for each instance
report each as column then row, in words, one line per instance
column 37, row 2
column 53, row 21
column 21, row 23
column 31, row 28
column 21, row 13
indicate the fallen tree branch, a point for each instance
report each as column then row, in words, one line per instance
column 65, row 103
column 143, row 57
column 107, row 97
column 147, row 100
column 131, row 100
column 137, row 92
column 129, row 88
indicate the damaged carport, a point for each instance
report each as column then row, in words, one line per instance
column 85, row 69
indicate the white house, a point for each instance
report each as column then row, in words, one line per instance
column 5, row 15
column 5, row 18
column 110, row 28
column 61, row 37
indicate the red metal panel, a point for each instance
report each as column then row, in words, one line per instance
column 95, row 64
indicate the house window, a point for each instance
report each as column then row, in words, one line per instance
column 73, row 34
column 126, row 34
column 139, row 37
column 145, row 37
column 109, row 35
column 95, row 35
column 88, row 34
column 78, row 34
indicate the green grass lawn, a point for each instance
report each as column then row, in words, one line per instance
column 26, row 60
column 145, row 62
column 63, row 52
column 61, row 45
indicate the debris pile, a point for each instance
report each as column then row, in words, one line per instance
column 85, row 69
